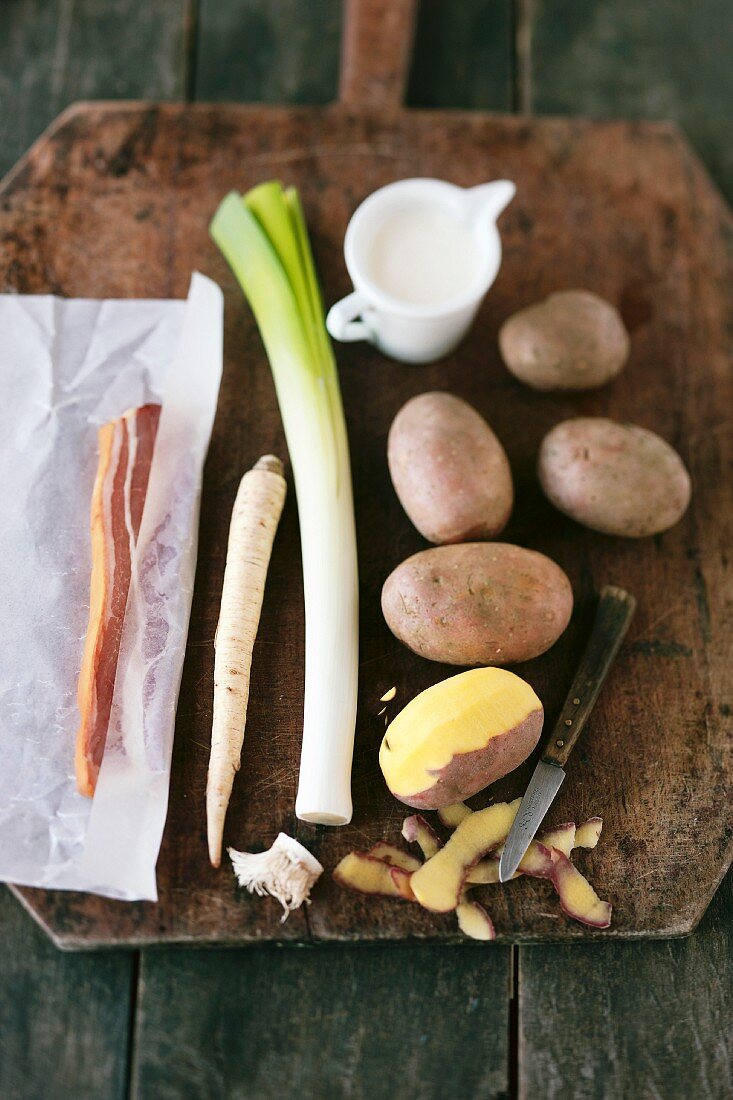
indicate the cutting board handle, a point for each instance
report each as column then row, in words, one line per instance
column 375, row 53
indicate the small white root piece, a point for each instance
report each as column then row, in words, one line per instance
column 287, row 872
column 255, row 517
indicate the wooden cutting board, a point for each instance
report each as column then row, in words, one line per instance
column 115, row 201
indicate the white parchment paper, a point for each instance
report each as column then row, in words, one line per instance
column 66, row 367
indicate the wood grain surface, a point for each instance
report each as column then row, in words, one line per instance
column 64, row 1020
column 463, row 55
column 622, row 209
column 368, row 1023
column 375, row 53
column 281, row 51
column 627, row 1028
column 55, row 51
column 630, row 1020
column 660, row 59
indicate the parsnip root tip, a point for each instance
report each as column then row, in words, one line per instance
column 271, row 463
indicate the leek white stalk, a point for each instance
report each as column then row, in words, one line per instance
column 264, row 238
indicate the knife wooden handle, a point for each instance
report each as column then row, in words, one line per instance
column 615, row 612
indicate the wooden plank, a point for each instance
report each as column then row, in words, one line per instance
column 623, row 209
column 463, row 55
column 641, row 1020
column 287, row 51
column 276, row 51
column 660, row 59
column 64, row 1019
column 375, row 54
column 53, row 52
column 366, row 1023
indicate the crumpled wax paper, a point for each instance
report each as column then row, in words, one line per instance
column 67, row 367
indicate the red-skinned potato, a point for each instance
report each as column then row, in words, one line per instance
column 449, row 470
column 477, row 603
column 443, row 882
column 456, row 737
column 573, row 340
column 564, row 837
column 440, row 883
column 615, row 478
column 486, row 871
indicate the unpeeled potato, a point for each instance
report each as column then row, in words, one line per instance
column 573, row 340
column 478, row 603
column 449, row 470
column 619, row 479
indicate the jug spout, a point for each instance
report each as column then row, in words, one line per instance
column 486, row 202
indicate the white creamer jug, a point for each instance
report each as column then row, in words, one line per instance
column 421, row 254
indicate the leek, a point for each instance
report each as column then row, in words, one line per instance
column 264, row 238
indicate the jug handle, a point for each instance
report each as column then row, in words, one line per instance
column 342, row 322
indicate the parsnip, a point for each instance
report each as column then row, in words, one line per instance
column 255, row 517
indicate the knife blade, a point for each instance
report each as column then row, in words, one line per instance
column 613, row 616
column 543, row 786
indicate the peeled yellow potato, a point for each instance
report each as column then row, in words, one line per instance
column 458, row 736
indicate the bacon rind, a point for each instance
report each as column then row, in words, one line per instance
column 126, row 448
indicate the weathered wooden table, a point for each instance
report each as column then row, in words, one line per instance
column 602, row 1020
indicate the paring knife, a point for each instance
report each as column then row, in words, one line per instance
column 615, row 612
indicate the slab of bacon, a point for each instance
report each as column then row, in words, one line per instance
column 125, row 454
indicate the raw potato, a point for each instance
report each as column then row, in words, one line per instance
column 477, row 603
column 485, row 872
column 563, row 837
column 456, row 737
column 449, row 470
column 440, row 883
column 619, row 479
column 573, row 340
column 577, row 897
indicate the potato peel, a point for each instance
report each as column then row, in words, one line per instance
column 474, row 921
column 416, row 830
column 546, row 858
